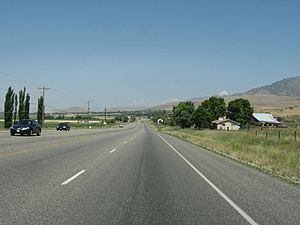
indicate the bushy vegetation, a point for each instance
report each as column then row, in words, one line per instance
column 215, row 107
column 240, row 110
column 125, row 117
column 185, row 115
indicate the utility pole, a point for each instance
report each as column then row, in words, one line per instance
column 105, row 114
column 44, row 88
column 88, row 116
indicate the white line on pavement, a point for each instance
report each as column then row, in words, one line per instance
column 225, row 197
column 74, row 177
column 113, row 150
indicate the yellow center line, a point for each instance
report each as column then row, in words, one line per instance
column 45, row 147
column 52, row 145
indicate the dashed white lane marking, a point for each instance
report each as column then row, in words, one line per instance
column 113, row 150
column 225, row 197
column 74, row 177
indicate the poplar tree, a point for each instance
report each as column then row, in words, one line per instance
column 8, row 108
column 16, row 108
column 27, row 106
column 22, row 104
column 40, row 112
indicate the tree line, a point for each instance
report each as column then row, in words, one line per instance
column 186, row 115
column 17, row 107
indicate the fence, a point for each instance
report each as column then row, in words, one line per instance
column 276, row 134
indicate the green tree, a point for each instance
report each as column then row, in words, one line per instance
column 201, row 117
column 22, row 104
column 16, row 108
column 159, row 115
column 240, row 110
column 40, row 111
column 215, row 106
column 183, row 114
column 27, row 106
column 122, row 118
column 8, row 107
column 133, row 118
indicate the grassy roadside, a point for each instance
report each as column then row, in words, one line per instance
column 277, row 157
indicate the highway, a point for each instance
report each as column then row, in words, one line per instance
column 133, row 175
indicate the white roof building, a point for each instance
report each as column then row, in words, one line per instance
column 226, row 124
column 265, row 118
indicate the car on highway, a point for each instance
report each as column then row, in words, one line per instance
column 26, row 126
column 63, row 126
column 121, row 126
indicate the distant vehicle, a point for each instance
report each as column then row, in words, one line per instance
column 63, row 126
column 28, row 127
column 121, row 125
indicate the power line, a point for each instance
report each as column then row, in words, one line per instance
column 44, row 88
column 89, row 107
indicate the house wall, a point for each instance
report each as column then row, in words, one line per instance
column 228, row 126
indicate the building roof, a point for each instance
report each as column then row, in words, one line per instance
column 265, row 118
column 225, row 121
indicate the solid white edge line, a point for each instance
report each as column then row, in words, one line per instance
column 113, row 150
column 74, row 177
column 224, row 196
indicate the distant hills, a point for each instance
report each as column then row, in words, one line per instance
column 126, row 109
column 71, row 110
column 287, row 87
column 278, row 95
column 83, row 110
column 281, row 94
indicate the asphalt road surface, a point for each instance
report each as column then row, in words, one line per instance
column 133, row 176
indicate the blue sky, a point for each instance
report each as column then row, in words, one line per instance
column 144, row 53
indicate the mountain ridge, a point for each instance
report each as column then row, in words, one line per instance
column 287, row 87
column 281, row 94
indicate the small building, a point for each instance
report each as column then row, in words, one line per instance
column 265, row 120
column 225, row 124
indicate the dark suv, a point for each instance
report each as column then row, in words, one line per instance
column 28, row 127
column 63, row 126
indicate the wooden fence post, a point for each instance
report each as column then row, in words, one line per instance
column 295, row 135
column 279, row 135
column 266, row 135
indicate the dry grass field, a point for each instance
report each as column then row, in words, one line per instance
column 274, row 155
